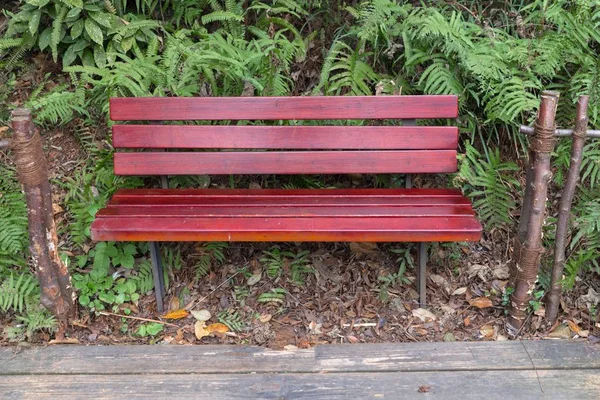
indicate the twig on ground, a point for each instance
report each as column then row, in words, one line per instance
column 138, row 318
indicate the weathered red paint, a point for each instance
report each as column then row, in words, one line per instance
column 282, row 108
column 321, row 229
column 285, row 137
column 286, row 162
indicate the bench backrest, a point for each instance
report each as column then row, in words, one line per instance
column 286, row 149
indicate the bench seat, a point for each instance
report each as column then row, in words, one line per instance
column 255, row 215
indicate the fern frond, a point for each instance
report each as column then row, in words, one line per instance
column 13, row 220
column 489, row 183
column 57, row 29
column 14, row 292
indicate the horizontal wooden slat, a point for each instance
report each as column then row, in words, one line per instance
column 282, row 108
column 286, row 162
column 170, row 197
column 288, row 193
column 305, row 229
column 445, row 385
column 281, row 212
column 284, row 137
column 333, row 358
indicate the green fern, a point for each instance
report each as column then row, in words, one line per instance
column 274, row 260
column 232, row 319
column 489, row 183
column 57, row 29
column 13, row 220
column 346, row 70
column 14, row 292
column 143, row 278
column 58, row 106
column 275, row 295
column 210, row 253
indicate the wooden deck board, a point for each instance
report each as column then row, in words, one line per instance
column 460, row 385
column 459, row 370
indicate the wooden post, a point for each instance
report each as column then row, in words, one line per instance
column 52, row 274
column 568, row 192
column 527, row 253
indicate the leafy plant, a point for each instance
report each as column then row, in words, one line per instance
column 150, row 329
column 21, row 296
column 275, row 259
column 275, row 295
column 88, row 31
column 232, row 319
column 299, row 266
column 35, row 319
column 13, row 221
column 404, row 260
column 210, row 252
column 14, row 292
column 488, row 182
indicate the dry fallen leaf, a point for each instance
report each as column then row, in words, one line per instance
column 264, row 318
column 176, row 314
column 200, row 330
column 562, row 331
column 441, row 282
column 64, row 341
column 424, row 389
column 501, row 272
column 363, row 247
column 479, row 270
column 481, row 302
column 467, row 321
column 254, row 279
column 314, row 328
column 574, row 327
column 487, row 331
column 290, row 347
column 540, row 312
column 459, row 291
column 423, row 314
column 217, row 328
column 352, row 339
column 201, row 315
column 56, row 208
column 592, row 298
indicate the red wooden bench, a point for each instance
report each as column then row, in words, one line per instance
column 367, row 215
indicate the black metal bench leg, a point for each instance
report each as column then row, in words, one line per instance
column 422, row 276
column 158, row 275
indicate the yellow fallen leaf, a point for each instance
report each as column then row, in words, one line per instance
column 574, row 327
column 481, row 302
column 176, row 314
column 200, row 330
column 217, row 328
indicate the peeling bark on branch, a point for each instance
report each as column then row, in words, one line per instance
column 52, row 274
column 562, row 226
column 528, row 247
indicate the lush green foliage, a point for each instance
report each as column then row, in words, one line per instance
column 13, row 221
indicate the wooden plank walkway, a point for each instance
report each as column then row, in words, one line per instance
column 459, row 370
